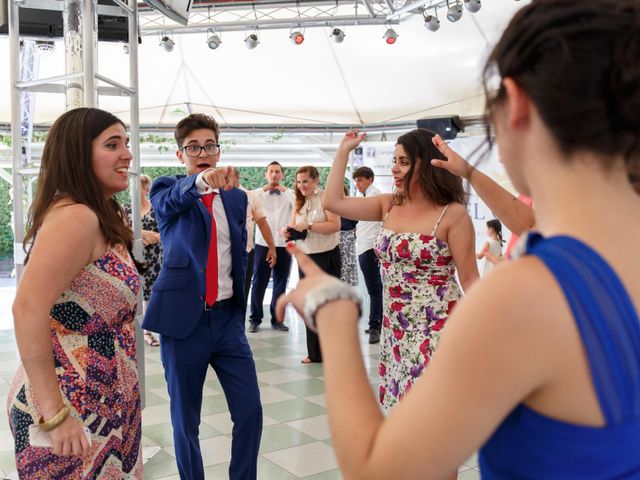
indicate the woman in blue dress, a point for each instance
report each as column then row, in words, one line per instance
column 539, row 368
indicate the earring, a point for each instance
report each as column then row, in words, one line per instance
column 315, row 191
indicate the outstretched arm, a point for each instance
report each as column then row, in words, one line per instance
column 510, row 210
column 370, row 208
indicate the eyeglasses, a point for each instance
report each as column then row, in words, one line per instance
column 210, row 149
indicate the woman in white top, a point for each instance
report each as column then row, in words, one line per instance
column 492, row 249
column 317, row 232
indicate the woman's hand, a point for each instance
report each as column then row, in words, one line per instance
column 150, row 237
column 69, row 439
column 454, row 163
column 301, row 227
column 351, row 140
column 313, row 276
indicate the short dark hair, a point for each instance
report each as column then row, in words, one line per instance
column 275, row 163
column 365, row 172
column 195, row 121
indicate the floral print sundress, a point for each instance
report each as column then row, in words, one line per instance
column 419, row 291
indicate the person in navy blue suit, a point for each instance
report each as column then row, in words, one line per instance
column 197, row 303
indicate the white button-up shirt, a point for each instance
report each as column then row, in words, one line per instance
column 278, row 209
column 366, row 232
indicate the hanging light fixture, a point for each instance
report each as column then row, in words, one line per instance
column 454, row 13
column 472, row 5
column 167, row 43
column 337, row 35
column 251, row 41
column 213, row 41
column 390, row 36
column 296, row 37
column 431, row 22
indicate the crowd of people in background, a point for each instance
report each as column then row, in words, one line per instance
column 460, row 367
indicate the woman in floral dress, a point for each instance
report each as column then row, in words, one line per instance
column 427, row 234
column 74, row 311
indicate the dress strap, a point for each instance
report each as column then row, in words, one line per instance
column 606, row 318
column 435, row 227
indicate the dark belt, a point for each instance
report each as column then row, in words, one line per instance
column 219, row 304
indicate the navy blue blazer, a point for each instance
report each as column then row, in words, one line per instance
column 177, row 296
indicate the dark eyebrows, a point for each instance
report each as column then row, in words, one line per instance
column 195, row 142
column 116, row 137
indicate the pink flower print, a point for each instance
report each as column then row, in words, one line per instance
column 437, row 280
column 425, row 238
column 397, row 306
column 399, row 334
column 409, row 277
column 395, row 292
column 393, row 388
column 425, row 254
column 450, row 306
column 407, row 387
column 438, row 325
column 443, row 260
column 424, row 347
column 396, row 353
column 381, row 393
column 386, row 322
column 403, row 249
column 382, row 369
column 386, row 265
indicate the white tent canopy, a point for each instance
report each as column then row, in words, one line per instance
column 360, row 81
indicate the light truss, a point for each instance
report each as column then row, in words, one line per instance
column 247, row 16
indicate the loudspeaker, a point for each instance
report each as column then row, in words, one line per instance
column 446, row 127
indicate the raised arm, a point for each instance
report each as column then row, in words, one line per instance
column 516, row 215
column 355, row 208
column 55, row 260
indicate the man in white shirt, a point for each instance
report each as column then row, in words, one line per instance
column 277, row 202
column 366, row 233
column 255, row 216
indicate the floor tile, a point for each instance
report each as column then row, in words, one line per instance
column 214, row 450
column 305, row 460
column 293, row 410
column 278, row 437
column 162, row 433
column 330, row 475
column 271, row 394
column 160, row 465
column 316, row 427
column 303, row 388
column 277, row 377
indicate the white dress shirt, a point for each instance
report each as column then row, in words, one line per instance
column 254, row 214
column 366, row 232
column 278, row 210
column 225, row 280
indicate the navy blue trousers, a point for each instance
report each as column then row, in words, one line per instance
column 217, row 340
column 262, row 274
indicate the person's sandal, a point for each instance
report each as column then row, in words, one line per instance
column 149, row 339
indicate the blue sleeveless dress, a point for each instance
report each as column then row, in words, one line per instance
column 530, row 445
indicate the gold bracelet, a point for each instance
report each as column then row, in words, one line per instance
column 55, row 421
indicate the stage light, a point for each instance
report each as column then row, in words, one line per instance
column 213, row 41
column 167, row 43
column 296, row 37
column 251, row 41
column 472, row 5
column 390, row 36
column 337, row 35
column 454, row 13
column 432, row 23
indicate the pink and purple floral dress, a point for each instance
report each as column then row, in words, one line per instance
column 419, row 290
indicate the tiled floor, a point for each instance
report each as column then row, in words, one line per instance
column 295, row 441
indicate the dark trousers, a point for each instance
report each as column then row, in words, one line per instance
column 329, row 262
column 248, row 276
column 217, row 340
column 262, row 274
column 370, row 266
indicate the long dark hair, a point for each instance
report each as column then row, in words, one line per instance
column 496, row 226
column 66, row 171
column 437, row 184
column 313, row 173
column 578, row 62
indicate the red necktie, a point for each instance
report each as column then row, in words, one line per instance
column 212, row 257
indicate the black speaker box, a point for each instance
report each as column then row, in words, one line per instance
column 446, row 127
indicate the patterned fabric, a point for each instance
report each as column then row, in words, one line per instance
column 93, row 336
column 348, row 265
column 152, row 253
column 419, row 291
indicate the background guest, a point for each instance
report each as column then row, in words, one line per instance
column 321, row 239
column 348, row 267
column 491, row 251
